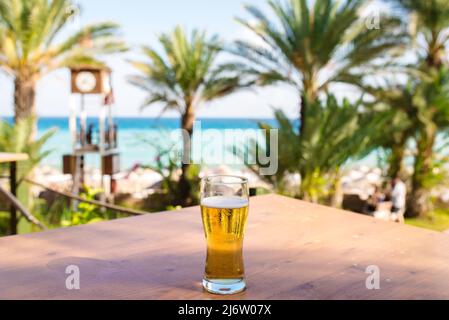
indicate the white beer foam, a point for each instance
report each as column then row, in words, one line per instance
column 225, row 202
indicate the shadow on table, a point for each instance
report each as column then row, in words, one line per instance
column 163, row 275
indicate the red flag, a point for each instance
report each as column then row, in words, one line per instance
column 109, row 99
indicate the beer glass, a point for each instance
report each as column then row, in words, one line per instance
column 224, row 210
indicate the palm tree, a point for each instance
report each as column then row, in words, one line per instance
column 313, row 44
column 399, row 100
column 335, row 133
column 428, row 20
column 15, row 138
column 29, row 49
column 432, row 106
column 183, row 77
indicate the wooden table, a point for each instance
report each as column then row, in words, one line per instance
column 293, row 250
column 12, row 159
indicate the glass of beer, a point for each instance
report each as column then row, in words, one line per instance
column 224, row 210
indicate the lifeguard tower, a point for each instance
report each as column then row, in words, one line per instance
column 96, row 137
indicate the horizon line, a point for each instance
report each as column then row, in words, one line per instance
column 156, row 117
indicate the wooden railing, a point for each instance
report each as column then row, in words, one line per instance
column 19, row 207
column 71, row 196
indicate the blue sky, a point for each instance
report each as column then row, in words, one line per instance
column 141, row 21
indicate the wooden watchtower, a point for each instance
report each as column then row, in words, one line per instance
column 93, row 138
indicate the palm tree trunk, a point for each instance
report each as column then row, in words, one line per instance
column 25, row 102
column 304, row 188
column 308, row 97
column 418, row 204
column 435, row 52
column 396, row 159
column 302, row 120
column 185, row 188
column 337, row 195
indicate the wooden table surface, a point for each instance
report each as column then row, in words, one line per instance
column 12, row 157
column 293, row 250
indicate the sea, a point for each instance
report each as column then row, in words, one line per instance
column 141, row 140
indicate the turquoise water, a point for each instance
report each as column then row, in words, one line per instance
column 139, row 138
column 142, row 139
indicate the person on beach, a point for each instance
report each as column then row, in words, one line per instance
column 374, row 200
column 398, row 197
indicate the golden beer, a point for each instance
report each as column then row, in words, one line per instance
column 224, row 220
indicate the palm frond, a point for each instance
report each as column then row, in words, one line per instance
column 314, row 43
column 185, row 72
column 30, row 30
column 15, row 138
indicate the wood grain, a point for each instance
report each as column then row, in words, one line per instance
column 293, row 250
column 12, row 157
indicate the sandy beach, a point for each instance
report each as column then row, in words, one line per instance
column 140, row 182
